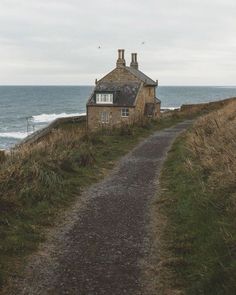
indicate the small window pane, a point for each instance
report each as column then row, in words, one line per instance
column 104, row 117
column 125, row 112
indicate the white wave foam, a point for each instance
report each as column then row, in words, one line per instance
column 17, row 135
column 170, row 108
column 47, row 118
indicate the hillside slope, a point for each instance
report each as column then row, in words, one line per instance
column 194, row 218
column 39, row 181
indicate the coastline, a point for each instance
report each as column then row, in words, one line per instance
column 165, row 111
column 42, row 180
column 44, row 130
column 35, row 135
column 43, row 104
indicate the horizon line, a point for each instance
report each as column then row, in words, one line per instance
column 87, row 85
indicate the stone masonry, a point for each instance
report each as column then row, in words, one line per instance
column 131, row 94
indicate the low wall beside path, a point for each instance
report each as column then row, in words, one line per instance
column 38, row 135
column 208, row 105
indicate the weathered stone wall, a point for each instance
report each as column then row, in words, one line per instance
column 146, row 95
column 150, row 94
column 140, row 102
column 213, row 105
column 158, row 110
column 42, row 133
column 115, row 118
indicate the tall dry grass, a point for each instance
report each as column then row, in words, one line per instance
column 37, row 180
column 210, row 209
column 33, row 181
column 213, row 145
column 198, row 204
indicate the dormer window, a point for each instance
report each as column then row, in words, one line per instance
column 106, row 98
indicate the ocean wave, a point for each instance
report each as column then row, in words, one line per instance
column 47, row 118
column 16, row 135
column 170, row 108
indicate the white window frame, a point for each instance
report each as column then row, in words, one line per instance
column 104, row 117
column 125, row 112
column 104, row 98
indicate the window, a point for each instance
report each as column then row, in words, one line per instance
column 104, row 98
column 104, row 117
column 125, row 112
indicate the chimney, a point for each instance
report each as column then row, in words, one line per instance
column 134, row 62
column 121, row 58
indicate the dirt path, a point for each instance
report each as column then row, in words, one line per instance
column 100, row 246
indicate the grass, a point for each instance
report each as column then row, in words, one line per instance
column 198, row 202
column 40, row 180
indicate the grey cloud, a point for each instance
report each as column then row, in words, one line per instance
column 56, row 42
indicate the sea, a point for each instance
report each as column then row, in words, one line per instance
column 25, row 109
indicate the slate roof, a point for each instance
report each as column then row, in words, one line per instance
column 140, row 75
column 123, row 94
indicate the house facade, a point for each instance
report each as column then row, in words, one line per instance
column 122, row 96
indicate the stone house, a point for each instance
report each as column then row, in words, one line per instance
column 122, row 96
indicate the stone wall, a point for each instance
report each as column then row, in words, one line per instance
column 40, row 134
column 147, row 95
column 213, row 105
column 158, row 110
column 115, row 118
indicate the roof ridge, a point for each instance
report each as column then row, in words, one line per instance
column 140, row 75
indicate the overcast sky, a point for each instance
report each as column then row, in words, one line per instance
column 186, row 42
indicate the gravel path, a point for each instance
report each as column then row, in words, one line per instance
column 99, row 247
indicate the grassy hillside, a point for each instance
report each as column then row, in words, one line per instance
column 40, row 180
column 198, row 206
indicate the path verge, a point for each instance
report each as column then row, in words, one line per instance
column 101, row 246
